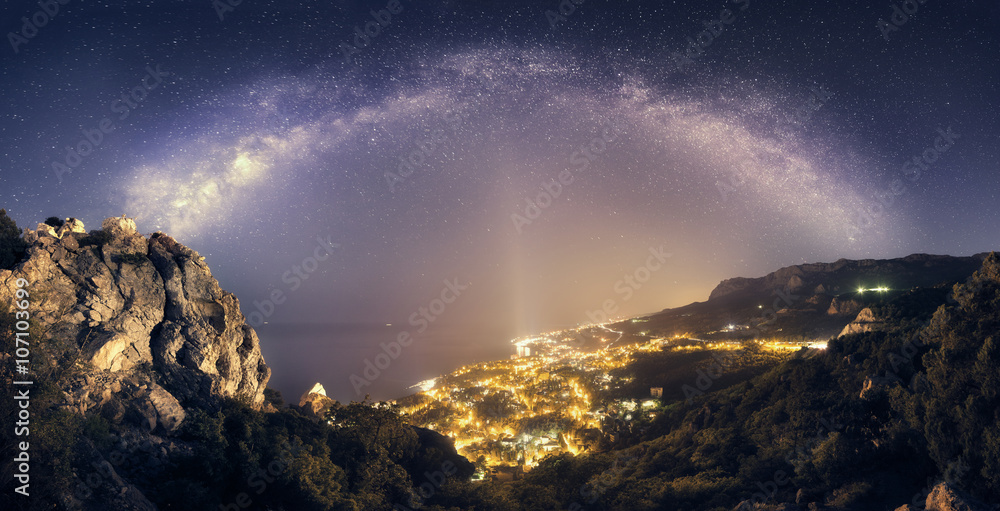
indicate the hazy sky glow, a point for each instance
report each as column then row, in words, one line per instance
column 261, row 139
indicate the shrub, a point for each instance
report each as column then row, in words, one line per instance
column 273, row 396
column 12, row 247
column 95, row 238
column 132, row 258
column 54, row 221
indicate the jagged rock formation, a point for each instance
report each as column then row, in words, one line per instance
column 864, row 322
column 315, row 401
column 144, row 319
column 841, row 307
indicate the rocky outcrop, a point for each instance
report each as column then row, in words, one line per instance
column 864, row 322
column 169, row 412
column 843, row 307
column 144, row 318
column 203, row 346
column 945, row 497
column 878, row 385
column 315, row 401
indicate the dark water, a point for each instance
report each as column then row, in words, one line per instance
column 301, row 355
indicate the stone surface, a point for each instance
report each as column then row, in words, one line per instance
column 864, row 322
column 203, row 345
column 71, row 225
column 116, row 225
column 945, row 497
column 875, row 385
column 44, row 229
column 158, row 314
column 315, row 401
column 842, row 307
column 170, row 413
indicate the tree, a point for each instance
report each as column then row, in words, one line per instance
column 378, row 429
column 961, row 421
column 12, row 247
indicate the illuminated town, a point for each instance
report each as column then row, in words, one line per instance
column 560, row 393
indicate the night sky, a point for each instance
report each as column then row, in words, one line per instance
column 731, row 138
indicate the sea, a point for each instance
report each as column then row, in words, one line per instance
column 301, row 355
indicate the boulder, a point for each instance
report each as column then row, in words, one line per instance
column 119, row 226
column 71, row 225
column 945, row 497
column 170, row 413
column 44, row 229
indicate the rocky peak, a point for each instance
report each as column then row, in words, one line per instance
column 864, row 322
column 315, row 401
column 144, row 316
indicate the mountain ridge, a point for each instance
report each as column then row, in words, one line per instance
column 807, row 273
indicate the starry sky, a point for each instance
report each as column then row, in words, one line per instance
column 532, row 157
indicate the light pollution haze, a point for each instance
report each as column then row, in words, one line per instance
column 418, row 156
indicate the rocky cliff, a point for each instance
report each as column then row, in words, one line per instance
column 842, row 276
column 142, row 319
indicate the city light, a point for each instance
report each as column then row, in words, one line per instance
column 516, row 412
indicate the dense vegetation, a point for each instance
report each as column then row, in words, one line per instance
column 235, row 456
column 803, row 425
column 803, row 429
column 12, row 247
